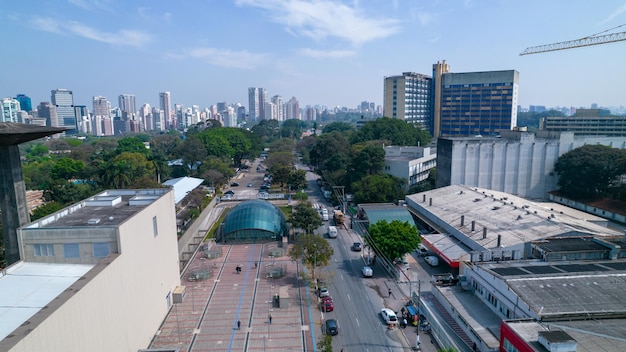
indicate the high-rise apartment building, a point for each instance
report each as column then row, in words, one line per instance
column 277, row 108
column 127, row 105
column 478, row 103
column 83, row 119
column 63, row 100
column 25, row 102
column 292, row 109
column 408, row 97
column 10, row 108
column 253, row 104
column 101, row 106
column 165, row 105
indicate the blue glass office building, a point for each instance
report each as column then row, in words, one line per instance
column 478, row 103
column 253, row 221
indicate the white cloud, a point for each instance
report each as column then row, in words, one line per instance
column 226, row 57
column 333, row 54
column 123, row 37
column 425, row 18
column 321, row 19
column 614, row 14
column 92, row 5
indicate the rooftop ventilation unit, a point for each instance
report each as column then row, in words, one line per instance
column 93, row 221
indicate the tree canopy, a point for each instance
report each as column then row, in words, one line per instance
column 590, row 170
column 393, row 239
column 395, row 131
column 313, row 250
column 305, row 217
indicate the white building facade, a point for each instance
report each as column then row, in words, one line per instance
column 128, row 240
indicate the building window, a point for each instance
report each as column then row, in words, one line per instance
column 155, row 229
column 70, row 250
column 100, row 249
column 44, row 250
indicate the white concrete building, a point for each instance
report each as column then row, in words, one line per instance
column 409, row 162
column 518, row 163
column 98, row 275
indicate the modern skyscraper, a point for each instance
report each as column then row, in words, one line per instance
column 277, row 108
column 25, row 102
column 83, row 119
column 478, row 103
column 408, row 97
column 253, row 104
column 127, row 105
column 438, row 70
column 63, row 100
column 165, row 105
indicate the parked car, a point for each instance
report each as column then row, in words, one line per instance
column 249, row 184
column 431, row 260
column 234, row 184
column 389, row 316
column 367, row 271
column 327, row 304
column 232, row 193
column 356, row 246
column 323, row 292
column 332, row 328
column 422, row 250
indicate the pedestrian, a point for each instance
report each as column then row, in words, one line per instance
column 238, row 325
column 404, row 322
column 270, row 319
column 256, row 264
column 389, row 291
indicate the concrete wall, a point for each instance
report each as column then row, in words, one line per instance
column 122, row 301
column 519, row 163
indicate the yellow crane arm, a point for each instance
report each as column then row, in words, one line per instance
column 592, row 40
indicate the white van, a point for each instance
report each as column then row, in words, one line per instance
column 332, row 232
column 325, row 216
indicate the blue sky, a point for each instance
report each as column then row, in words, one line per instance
column 327, row 52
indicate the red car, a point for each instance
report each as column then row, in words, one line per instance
column 327, row 304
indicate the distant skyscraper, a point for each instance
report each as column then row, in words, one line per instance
column 25, row 102
column 292, row 109
column 407, row 97
column 165, row 105
column 63, row 100
column 127, row 105
column 10, row 107
column 101, row 106
column 253, row 104
column 48, row 112
column 277, row 108
column 83, row 119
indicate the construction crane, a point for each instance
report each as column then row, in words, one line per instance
column 595, row 39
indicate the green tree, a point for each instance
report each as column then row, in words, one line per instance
column 267, row 130
column 369, row 159
column 342, row 127
column 192, row 151
column 325, row 344
column 292, row 128
column 282, row 145
column 66, row 168
column 284, row 159
column 313, row 250
column 331, row 156
column 396, row 131
column 164, row 144
column 393, row 239
column 297, row 180
column 45, row 210
column 131, row 145
column 305, row 217
column 590, row 170
column 280, row 174
column 379, row 189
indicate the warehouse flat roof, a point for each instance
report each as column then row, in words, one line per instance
column 26, row 288
column 566, row 289
column 516, row 219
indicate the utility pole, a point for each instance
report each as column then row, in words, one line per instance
column 342, row 199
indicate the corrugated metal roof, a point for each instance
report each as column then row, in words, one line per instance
column 182, row 186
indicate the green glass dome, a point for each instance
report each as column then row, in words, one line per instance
column 253, row 220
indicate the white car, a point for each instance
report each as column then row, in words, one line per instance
column 431, row 260
column 389, row 316
column 323, row 292
column 367, row 271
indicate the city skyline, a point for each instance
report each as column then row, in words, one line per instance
column 332, row 53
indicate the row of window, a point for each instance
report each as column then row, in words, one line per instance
column 71, row 250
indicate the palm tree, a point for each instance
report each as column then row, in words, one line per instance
column 159, row 164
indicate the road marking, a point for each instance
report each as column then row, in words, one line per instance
column 349, row 299
column 357, row 322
